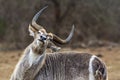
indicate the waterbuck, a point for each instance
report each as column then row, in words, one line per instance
column 37, row 64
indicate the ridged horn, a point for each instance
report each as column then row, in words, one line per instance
column 61, row 41
column 34, row 24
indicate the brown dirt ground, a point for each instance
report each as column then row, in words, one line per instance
column 111, row 56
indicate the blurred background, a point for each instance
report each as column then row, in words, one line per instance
column 97, row 22
column 97, row 29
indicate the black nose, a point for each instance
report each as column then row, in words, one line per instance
column 43, row 37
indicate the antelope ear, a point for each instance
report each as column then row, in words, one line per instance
column 31, row 31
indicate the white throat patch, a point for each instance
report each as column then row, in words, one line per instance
column 32, row 57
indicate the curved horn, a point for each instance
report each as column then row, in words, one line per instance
column 34, row 24
column 61, row 41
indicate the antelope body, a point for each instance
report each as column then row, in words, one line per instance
column 36, row 64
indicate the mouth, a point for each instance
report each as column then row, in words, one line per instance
column 42, row 41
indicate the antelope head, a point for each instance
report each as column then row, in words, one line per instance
column 41, row 37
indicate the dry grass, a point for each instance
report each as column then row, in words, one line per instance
column 111, row 57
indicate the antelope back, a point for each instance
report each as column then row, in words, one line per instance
column 70, row 66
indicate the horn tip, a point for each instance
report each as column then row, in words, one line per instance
column 38, row 14
column 73, row 26
column 46, row 6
